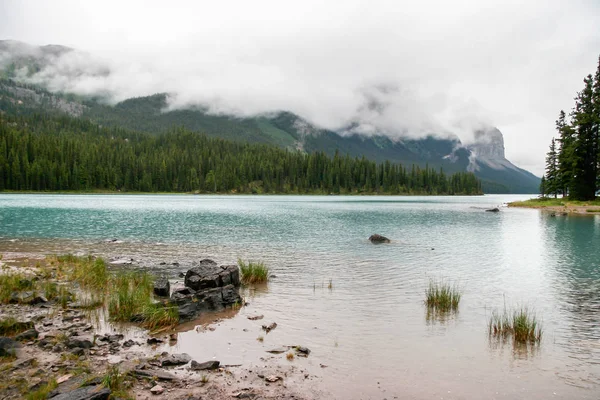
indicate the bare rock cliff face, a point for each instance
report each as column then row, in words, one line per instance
column 489, row 144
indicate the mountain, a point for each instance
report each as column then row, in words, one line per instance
column 485, row 156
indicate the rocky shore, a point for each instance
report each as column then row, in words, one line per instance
column 63, row 348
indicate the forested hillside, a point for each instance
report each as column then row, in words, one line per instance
column 52, row 153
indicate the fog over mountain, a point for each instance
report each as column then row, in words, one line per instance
column 400, row 69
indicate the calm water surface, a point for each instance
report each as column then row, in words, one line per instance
column 371, row 329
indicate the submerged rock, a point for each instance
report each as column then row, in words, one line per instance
column 376, row 238
column 162, row 287
column 495, row 209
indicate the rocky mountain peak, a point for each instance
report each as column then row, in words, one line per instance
column 488, row 144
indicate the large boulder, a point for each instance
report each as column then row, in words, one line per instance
column 378, row 239
column 209, row 300
column 208, row 275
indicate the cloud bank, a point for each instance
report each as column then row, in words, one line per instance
column 400, row 68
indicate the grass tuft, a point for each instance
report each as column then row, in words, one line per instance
column 43, row 392
column 442, row 297
column 11, row 326
column 10, row 283
column 521, row 324
column 253, row 272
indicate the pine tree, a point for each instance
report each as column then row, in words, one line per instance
column 566, row 140
column 551, row 185
column 585, row 157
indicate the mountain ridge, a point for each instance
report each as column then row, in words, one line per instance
column 151, row 114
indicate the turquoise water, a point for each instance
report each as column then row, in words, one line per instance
column 371, row 328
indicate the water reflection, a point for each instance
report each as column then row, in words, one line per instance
column 573, row 260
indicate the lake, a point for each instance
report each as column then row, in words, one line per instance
column 369, row 333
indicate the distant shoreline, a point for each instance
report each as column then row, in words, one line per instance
column 560, row 206
column 109, row 192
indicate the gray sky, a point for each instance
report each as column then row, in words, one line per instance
column 406, row 68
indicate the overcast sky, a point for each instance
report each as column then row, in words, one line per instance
column 405, row 68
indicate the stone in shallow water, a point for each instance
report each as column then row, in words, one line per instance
column 196, row 366
column 376, row 238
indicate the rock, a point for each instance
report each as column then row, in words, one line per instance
column 181, row 275
column 176, row 359
column 20, row 326
column 196, row 366
column 27, row 298
column 85, row 393
column 77, row 341
column 63, row 378
column 154, row 340
column 157, row 389
column 278, row 350
column 29, row 334
column 173, row 337
column 378, row 239
column 208, row 300
column 273, row 378
column 77, row 351
column 207, row 275
column 162, row 287
column 303, row 350
column 495, row 209
column 256, row 317
column 129, row 343
column 184, row 291
column 270, row 327
column 155, row 373
column 115, row 338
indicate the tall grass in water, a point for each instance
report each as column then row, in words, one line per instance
column 131, row 299
column 521, row 324
column 442, row 297
column 91, row 273
column 130, row 293
column 253, row 272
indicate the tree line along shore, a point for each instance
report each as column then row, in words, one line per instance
column 52, row 153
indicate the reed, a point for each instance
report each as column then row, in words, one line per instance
column 521, row 324
column 442, row 297
column 253, row 272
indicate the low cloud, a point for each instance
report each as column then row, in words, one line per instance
column 401, row 69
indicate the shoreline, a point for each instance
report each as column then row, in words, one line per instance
column 560, row 206
column 117, row 193
column 82, row 349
